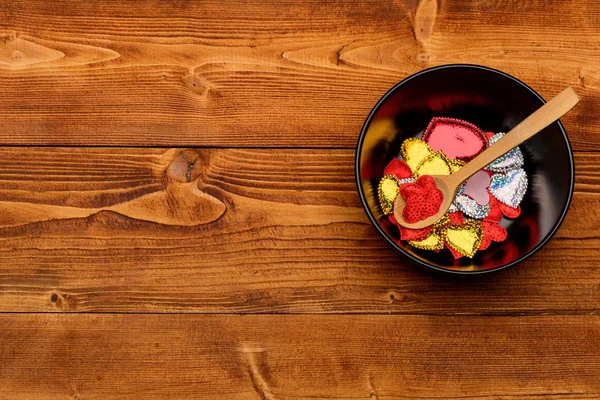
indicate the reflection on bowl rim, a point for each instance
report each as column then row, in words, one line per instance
column 375, row 223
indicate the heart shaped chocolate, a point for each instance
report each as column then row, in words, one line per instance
column 511, row 160
column 411, row 234
column 434, row 164
column 476, row 188
column 414, row 151
column 456, row 138
column 433, row 241
column 510, row 187
column 471, row 208
column 455, row 165
column 492, row 232
column 509, row 212
column 466, row 238
column 388, row 190
column 398, row 168
column 423, row 199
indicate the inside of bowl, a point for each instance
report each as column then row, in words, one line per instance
column 495, row 102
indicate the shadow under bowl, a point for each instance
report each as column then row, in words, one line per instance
column 496, row 102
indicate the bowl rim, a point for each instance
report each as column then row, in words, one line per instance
column 374, row 222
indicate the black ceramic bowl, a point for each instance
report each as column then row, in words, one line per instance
column 495, row 102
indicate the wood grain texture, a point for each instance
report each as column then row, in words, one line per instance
column 298, row 357
column 113, row 258
column 282, row 231
column 268, row 74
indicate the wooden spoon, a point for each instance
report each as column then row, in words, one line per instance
column 449, row 184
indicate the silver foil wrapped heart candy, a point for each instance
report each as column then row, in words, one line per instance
column 509, row 188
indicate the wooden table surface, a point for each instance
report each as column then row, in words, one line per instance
column 179, row 218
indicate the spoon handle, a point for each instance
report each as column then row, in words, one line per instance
column 544, row 116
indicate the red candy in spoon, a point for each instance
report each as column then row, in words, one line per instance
column 423, row 199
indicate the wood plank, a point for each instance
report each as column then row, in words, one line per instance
column 298, row 357
column 279, row 73
column 266, row 231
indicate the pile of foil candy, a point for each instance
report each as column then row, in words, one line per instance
column 473, row 221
